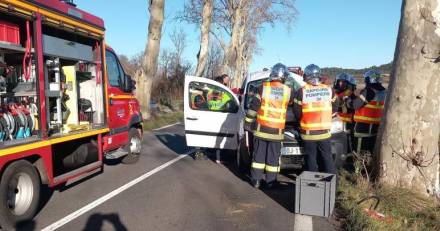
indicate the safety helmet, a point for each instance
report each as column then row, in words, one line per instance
column 373, row 76
column 312, row 74
column 279, row 72
column 346, row 77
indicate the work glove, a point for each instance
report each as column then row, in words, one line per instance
column 247, row 126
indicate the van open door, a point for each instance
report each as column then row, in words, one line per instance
column 212, row 114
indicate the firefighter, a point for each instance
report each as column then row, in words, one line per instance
column 266, row 118
column 313, row 108
column 344, row 88
column 368, row 111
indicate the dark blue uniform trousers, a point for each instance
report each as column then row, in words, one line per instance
column 321, row 149
column 266, row 156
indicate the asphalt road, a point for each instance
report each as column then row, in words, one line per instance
column 185, row 194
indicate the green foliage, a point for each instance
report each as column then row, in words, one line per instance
column 408, row 210
column 162, row 119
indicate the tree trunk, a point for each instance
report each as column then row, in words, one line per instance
column 204, row 37
column 238, row 64
column 138, row 77
column 408, row 138
column 229, row 64
column 240, row 61
column 149, row 63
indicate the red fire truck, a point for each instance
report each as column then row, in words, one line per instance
column 65, row 102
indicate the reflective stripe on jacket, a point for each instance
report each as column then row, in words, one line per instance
column 371, row 113
column 274, row 100
column 343, row 112
column 316, row 108
column 272, row 113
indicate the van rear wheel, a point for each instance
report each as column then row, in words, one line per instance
column 133, row 147
column 242, row 158
column 19, row 194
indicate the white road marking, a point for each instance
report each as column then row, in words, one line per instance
column 167, row 126
column 110, row 195
column 303, row 223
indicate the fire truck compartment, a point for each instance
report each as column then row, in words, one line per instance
column 73, row 90
column 68, row 156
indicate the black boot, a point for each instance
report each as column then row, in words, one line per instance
column 272, row 185
column 255, row 184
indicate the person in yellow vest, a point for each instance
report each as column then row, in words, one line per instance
column 313, row 108
column 217, row 100
column 344, row 87
column 368, row 111
column 266, row 118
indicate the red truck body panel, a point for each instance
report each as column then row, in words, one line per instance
column 118, row 124
column 9, row 33
column 68, row 10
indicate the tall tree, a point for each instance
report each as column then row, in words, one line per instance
column 408, row 139
column 215, row 60
column 149, row 63
column 204, row 37
column 242, row 21
column 236, row 25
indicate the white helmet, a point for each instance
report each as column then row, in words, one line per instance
column 312, row 74
column 373, row 76
column 279, row 72
column 346, row 77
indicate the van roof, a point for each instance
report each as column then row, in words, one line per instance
column 265, row 74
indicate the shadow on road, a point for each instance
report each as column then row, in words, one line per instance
column 284, row 194
column 96, row 222
column 174, row 142
column 27, row 225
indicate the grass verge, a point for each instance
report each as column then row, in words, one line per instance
column 403, row 209
column 162, row 119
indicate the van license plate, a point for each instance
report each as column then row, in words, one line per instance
column 291, row 151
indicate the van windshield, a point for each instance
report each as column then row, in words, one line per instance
column 254, row 86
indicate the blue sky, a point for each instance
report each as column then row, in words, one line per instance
column 342, row 33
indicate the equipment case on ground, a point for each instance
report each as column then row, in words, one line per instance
column 315, row 194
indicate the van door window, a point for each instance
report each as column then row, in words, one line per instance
column 207, row 97
column 255, row 86
column 252, row 90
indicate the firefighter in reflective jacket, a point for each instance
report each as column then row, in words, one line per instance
column 266, row 118
column 344, row 88
column 313, row 108
column 368, row 111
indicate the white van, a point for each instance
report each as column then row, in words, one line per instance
column 222, row 128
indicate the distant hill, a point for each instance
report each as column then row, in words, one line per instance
column 331, row 72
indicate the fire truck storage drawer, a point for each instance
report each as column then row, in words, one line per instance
column 9, row 33
column 66, row 49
